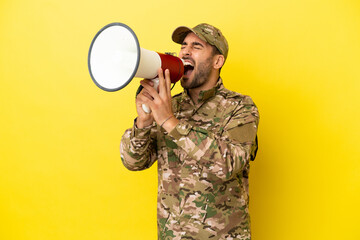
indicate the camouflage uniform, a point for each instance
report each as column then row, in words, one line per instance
column 203, row 165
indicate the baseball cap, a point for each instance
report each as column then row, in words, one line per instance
column 205, row 32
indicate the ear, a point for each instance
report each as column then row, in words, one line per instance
column 219, row 61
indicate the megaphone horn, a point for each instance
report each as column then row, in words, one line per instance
column 115, row 58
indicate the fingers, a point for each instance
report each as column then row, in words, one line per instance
column 143, row 97
column 164, row 83
column 149, row 89
column 143, row 91
column 147, row 95
column 168, row 82
column 151, row 94
column 150, row 82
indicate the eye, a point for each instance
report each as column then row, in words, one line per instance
column 197, row 46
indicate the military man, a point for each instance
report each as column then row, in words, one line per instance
column 203, row 140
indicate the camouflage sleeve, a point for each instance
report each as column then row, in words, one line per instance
column 138, row 148
column 228, row 150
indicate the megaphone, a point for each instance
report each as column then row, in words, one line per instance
column 115, row 58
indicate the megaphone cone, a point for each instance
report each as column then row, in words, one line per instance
column 115, row 58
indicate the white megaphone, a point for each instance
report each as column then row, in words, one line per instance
column 115, row 58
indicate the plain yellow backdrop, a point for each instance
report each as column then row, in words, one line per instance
column 60, row 171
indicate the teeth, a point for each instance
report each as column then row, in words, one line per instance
column 188, row 64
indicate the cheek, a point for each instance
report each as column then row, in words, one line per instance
column 181, row 54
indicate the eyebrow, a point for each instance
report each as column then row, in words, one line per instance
column 193, row 44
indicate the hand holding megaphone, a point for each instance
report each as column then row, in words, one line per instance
column 155, row 82
column 115, row 58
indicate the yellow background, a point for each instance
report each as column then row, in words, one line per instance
column 60, row 171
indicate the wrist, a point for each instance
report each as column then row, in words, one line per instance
column 140, row 123
column 170, row 123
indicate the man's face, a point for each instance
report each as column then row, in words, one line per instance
column 198, row 57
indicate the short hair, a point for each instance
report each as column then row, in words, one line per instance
column 215, row 51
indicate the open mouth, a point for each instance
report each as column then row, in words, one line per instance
column 188, row 68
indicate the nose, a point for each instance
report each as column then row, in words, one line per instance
column 185, row 52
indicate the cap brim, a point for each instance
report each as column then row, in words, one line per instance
column 180, row 33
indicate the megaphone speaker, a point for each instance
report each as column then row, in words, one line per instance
column 115, row 58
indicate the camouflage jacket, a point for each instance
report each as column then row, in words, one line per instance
column 203, row 165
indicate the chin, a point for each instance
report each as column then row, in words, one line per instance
column 185, row 82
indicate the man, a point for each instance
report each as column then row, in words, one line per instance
column 203, row 140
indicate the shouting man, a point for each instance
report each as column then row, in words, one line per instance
column 203, row 140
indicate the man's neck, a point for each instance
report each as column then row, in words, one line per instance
column 195, row 92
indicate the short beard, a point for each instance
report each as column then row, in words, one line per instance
column 202, row 74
